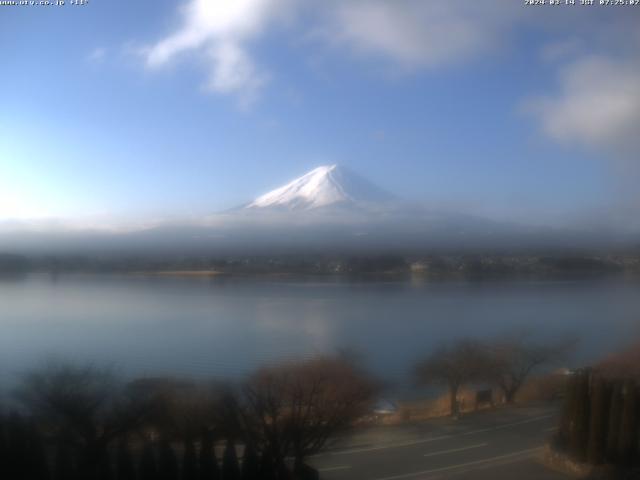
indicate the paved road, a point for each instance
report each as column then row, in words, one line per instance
column 501, row 444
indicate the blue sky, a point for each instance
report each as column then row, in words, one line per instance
column 142, row 109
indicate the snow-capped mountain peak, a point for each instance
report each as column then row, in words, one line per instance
column 323, row 186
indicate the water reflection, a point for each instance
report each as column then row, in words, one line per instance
column 227, row 326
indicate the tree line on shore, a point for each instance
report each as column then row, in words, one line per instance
column 466, row 263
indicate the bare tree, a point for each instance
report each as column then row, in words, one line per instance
column 624, row 364
column 84, row 406
column 297, row 408
column 453, row 365
column 177, row 408
column 512, row 358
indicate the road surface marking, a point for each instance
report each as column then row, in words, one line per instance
column 500, row 427
column 552, row 429
column 331, row 469
column 435, row 439
column 462, row 465
column 453, row 450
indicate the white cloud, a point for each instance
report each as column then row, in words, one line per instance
column 419, row 33
column 220, row 31
column 560, row 50
column 412, row 33
column 233, row 71
column 97, row 55
column 597, row 104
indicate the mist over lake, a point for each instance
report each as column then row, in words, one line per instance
column 224, row 327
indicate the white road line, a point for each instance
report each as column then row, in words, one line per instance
column 435, row 439
column 552, row 429
column 514, row 455
column 454, row 450
column 508, row 425
column 391, row 445
column 331, row 469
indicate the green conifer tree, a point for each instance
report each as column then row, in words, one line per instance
column 125, row 469
column 209, row 469
column 230, row 466
column 629, row 425
column 615, row 417
column 167, row 462
column 600, row 396
column 189, row 461
column 250, row 463
column 64, row 463
column 38, row 465
column 148, row 465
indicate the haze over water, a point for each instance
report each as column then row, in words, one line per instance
column 225, row 327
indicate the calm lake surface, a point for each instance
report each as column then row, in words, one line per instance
column 225, row 327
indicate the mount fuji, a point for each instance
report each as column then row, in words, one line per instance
column 323, row 187
column 327, row 209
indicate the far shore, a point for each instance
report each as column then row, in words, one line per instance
column 180, row 273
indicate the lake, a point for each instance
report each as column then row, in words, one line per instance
column 225, row 326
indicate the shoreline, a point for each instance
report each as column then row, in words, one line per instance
column 179, row 273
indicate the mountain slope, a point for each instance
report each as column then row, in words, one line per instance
column 329, row 209
column 328, row 185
